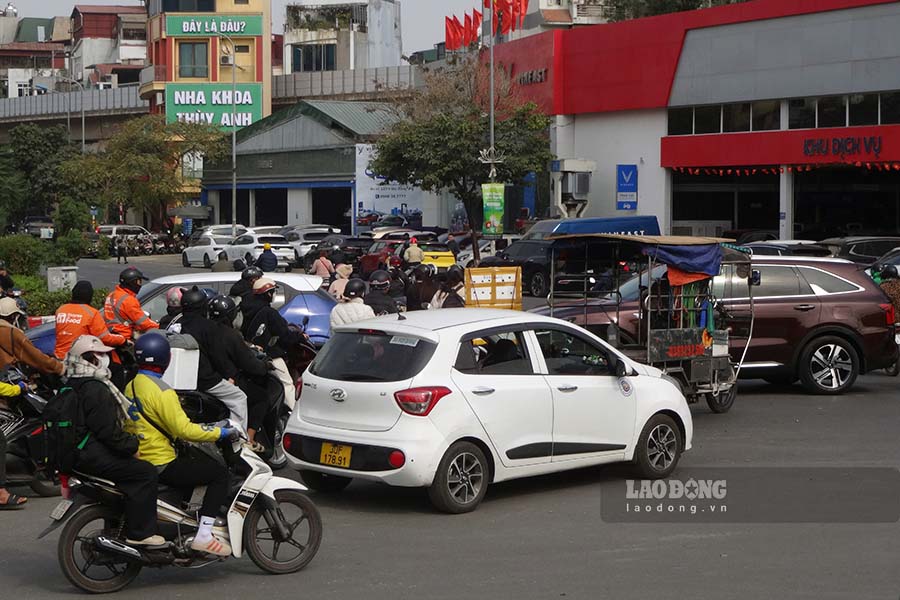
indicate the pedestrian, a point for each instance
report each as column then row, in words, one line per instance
column 267, row 261
column 79, row 318
column 222, row 265
column 453, row 245
column 6, row 282
column 353, row 308
column 452, row 292
column 121, row 249
column 342, row 275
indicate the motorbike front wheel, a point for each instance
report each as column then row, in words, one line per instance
column 304, row 526
column 83, row 564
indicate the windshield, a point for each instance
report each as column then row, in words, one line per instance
column 427, row 247
column 631, row 290
column 372, row 356
column 272, row 239
column 147, row 290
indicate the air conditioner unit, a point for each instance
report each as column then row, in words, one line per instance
column 226, row 60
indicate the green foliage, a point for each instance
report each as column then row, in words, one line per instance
column 437, row 144
column 68, row 248
column 72, row 214
column 141, row 164
column 38, row 153
column 24, row 254
column 13, row 191
column 41, row 302
column 621, row 10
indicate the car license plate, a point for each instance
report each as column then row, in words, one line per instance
column 335, row 455
column 60, row 511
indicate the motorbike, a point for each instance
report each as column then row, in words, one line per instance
column 267, row 514
column 24, row 431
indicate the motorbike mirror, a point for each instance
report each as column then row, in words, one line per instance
column 305, row 321
column 755, row 278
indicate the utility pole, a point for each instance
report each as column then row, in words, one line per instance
column 78, row 83
column 233, row 134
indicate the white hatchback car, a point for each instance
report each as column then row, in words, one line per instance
column 249, row 246
column 204, row 250
column 456, row 399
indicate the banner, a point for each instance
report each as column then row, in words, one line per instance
column 492, row 195
column 213, row 25
column 376, row 197
column 212, row 104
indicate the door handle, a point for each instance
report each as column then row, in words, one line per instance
column 804, row 307
column 483, row 391
column 567, row 388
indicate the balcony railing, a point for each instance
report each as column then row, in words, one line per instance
column 153, row 73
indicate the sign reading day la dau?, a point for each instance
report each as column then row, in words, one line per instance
column 213, row 25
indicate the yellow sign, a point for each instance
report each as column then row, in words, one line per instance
column 494, row 287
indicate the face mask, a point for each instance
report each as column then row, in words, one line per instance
column 102, row 360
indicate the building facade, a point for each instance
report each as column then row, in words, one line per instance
column 199, row 50
column 339, row 35
column 766, row 115
column 108, row 44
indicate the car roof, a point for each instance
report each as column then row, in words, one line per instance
column 801, row 259
column 858, row 238
column 423, row 322
column 302, row 283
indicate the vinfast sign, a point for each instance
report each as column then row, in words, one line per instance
column 212, row 104
column 213, row 25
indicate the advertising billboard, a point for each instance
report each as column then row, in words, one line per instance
column 213, row 25
column 213, row 103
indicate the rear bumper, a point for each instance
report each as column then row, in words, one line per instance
column 416, row 437
column 881, row 352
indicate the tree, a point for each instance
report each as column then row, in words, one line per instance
column 13, row 191
column 142, row 163
column 38, row 154
column 444, row 126
column 621, row 10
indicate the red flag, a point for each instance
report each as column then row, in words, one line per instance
column 477, row 19
column 448, row 33
column 457, row 33
column 469, row 33
column 504, row 9
column 523, row 10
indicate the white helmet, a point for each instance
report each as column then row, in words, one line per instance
column 9, row 306
column 88, row 343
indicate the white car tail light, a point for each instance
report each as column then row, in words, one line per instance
column 421, row 400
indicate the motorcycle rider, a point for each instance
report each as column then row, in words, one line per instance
column 353, row 308
column 378, row 297
column 123, row 314
column 342, row 276
column 156, row 417
column 6, row 282
column 8, row 500
column 890, row 284
column 173, row 307
column 266, row 328
column 243, row 289
column 106, row 450
column 244, row 364
column 214, row 363
column 267, row 260
column 452, row 293
column 421, row 288
column 222, row 265
column 413, row 256
column 78, row 318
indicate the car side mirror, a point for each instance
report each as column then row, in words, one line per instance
column 621, row 368
column 755, row 278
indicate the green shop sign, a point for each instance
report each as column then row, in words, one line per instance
column 212, row 103
column 213, row 25
column 493, row 196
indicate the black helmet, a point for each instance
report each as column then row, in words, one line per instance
column 889, row 272
column 194, row 299
column 130, row 277
column 380, row 280
column 456, row 269
column 251, row 273
column 423, row 271
column 355, row 288
column 222, row 308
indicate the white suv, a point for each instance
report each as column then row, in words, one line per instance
column 456, row 399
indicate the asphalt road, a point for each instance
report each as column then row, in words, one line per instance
column 545, row 537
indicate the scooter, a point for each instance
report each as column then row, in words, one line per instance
column 270, row 518
column 23, row 428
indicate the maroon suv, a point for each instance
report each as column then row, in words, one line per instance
column 820, row 320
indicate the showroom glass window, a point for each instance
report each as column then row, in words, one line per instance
column 766, row 115
column 708, row 119
column 890, row 108
column 802, row 113
column 832, row 111
column 736, row 117
column 863, row 109
column 681, row 121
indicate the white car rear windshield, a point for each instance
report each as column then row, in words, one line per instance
column 372, row 356
column 272, row 239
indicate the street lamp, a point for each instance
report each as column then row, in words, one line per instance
column 233, row 134
column 78, row 83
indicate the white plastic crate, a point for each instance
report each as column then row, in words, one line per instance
column 182, row 371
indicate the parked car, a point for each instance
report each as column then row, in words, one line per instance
column 298, row 296
column 457, row 399
column 268, row 230
column 204, row 250
column 249, row 246
column 486, row 248
column 861, row 249
column 820, row 320
column 787, row 248
column 128, row 231
column 391, row 221
column 38, row 226
column 352, row 247
column 377, row 256
column 304, row 240
column 216, row 231
column 312, row 227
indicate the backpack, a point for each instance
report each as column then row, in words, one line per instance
column 62, row 423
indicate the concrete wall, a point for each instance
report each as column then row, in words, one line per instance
column 384, row 42
column 299, row 206
column 92, row 52
column 620, row 138
column 836, row 52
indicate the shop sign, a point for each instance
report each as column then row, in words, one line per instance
column 533, row 77
column 213, row 103
column 213, row 25
column 492, row 195
column 843, row 146
column 626, row 187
